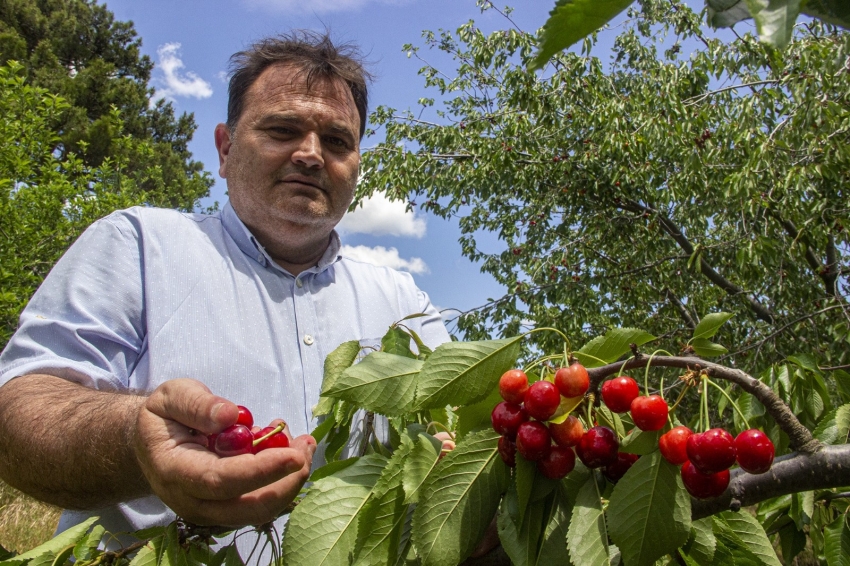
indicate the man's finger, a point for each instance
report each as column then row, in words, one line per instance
column 191, row 404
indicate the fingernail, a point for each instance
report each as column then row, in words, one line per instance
column 215, row 409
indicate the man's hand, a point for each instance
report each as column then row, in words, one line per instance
column 201, row 487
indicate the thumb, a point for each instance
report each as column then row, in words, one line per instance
column 192, row 404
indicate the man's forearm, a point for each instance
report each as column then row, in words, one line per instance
column 67, row 444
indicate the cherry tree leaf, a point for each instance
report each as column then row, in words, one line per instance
column 610, row 347
column 322, row 530
column 710, row 324
column 650, row 494
column 834, row 427
column 55, row 545
column 553, row 548
column 701, row 542
column 705, row 348
column 423, row 457
column 338, row 361
column 462, row 373
column 397, row 341
column 151, row 553
column 587, row 537
column 640, row 442
column 459, row 500
column 477, row 415
column 836, row 540
column 749, row 530
column 382, row 382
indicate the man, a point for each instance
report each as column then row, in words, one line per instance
column 204, row 311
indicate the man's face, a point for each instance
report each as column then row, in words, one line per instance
column 291, row 164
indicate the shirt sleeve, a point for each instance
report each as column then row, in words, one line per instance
column 432, row 330
column 86, row 321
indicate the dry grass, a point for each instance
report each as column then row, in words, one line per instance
column 24, row 522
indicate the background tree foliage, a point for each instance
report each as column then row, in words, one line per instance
column 647, row 192
column 75, row 49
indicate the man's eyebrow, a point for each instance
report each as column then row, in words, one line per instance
column 338, row 129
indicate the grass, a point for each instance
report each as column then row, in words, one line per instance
column 24, row 522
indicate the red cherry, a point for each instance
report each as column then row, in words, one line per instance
column 245, row 417
column 711, row 451
column 650, row 412
column 506, row 418
column 559, row 462
column 598, row 447
column 279, row 440
column 542, row 400
column 754, row 451
column 673, row 444
column 233, row 441
column 572, row 381
column 619, row 468
column 507, row 450
column 533, row 440
column 704, row 486
column 618, row 393
column 567, row 433
column 513, row 385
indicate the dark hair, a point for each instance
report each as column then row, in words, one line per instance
column 310, row 52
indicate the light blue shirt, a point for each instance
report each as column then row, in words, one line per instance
column 147, row 295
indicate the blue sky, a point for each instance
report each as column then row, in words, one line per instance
column 190, row 42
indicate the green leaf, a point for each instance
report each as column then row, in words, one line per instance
column 710, row 324
column 525, row 473
column 836, row 538
column 587, row 538
column 329, row 469
column 701, row 543
column 572, row 20
column 322, row 529
column 327, row 424
column 640, row 442
column 151, row 553
column 610, row 347
column 650, row 494
column 805, row 361
column 834, row 427
column 724, row 14
column 338, row 361
column 477, row 415
column 397, row 341
column 459, row 500
column 521, row 539
column 5, row 554
column 462, row 373
column 64, row 539
column 324, row 407
column 728, row 542
column 232, row 558
column 382, row 521
column 553, row 548
column 836, row 12
column 791, row 541
column 750, row 531
column 775, row 20
column 84, row 548
column 423, row 457
column 383, row 383
column 706, row 348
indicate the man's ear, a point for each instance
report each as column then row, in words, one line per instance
column 223, row 141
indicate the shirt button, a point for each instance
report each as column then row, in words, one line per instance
column 308, row 339
column 299, row 283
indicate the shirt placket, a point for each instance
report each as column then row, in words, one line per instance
column 308, row 337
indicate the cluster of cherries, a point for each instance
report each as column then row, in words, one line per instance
column 245, row 438
column 522, row 418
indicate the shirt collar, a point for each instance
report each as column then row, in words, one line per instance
column 249, row 245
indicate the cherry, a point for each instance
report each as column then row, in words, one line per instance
column 711, row 451
column 650, row 412
column 507, row 450
column 513, row 385
column 619, row 468
column 506, row 418
column 533, row 440
column 559, row 462
column 277, row 440
column 234, row 440
column 542, row 400
column 598, row 447
column 245, row 417
column 618, row 393
column 754, row 451
column 567, row 433
column 673, row 444
column 704, row 486
column 572, row 381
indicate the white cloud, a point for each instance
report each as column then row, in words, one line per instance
column 379, row 255
column 380, row 216
column 174, row 83
column 319, row 6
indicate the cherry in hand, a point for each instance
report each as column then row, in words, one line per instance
column 618, row 393
column 233, row 441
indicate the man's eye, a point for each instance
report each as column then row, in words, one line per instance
column 338, row 142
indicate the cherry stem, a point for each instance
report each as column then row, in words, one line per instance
column 538, row 361
column 436, row 425
column 734, row 404
column 564, row 336
column 646, row 373
column 705, row 403
column 274, row 431
column 679, row 399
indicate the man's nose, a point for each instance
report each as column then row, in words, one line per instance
column 309, row 151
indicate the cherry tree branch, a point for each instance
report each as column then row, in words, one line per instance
column 800, row 437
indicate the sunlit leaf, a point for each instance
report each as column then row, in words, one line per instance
column 383, row 383
column 710, row 324
column 610, row 347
